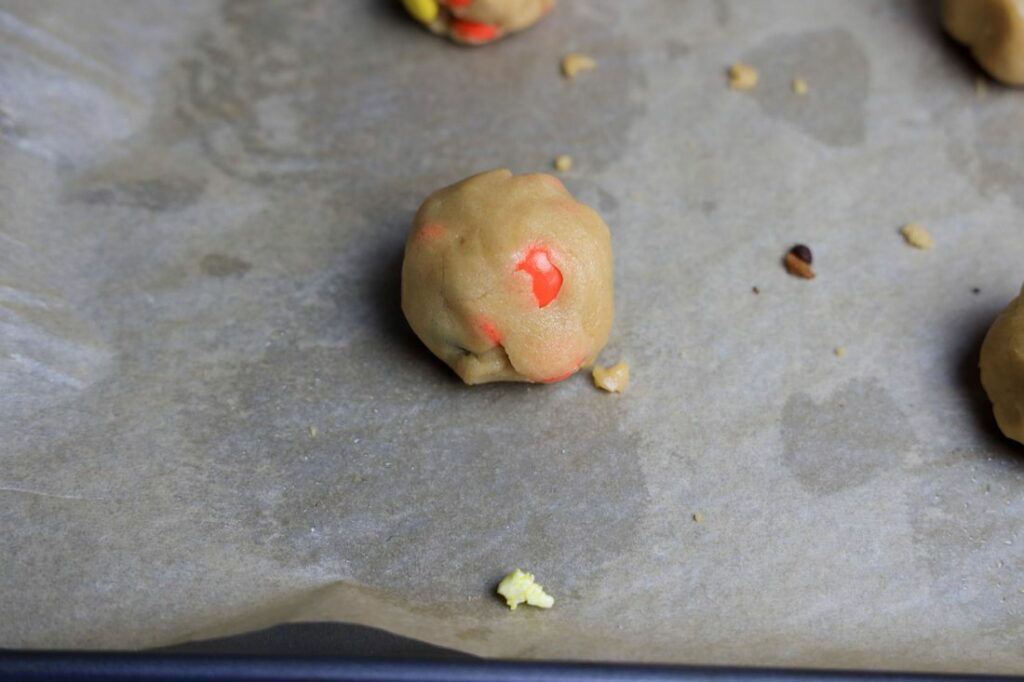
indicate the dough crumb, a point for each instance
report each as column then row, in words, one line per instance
column 563, row 163
column 312, row 432
column 698, row 517
column 917, row 236
column 797, row 267
column 575, row 63
column 799, row 86
column 742, row 77
column 519, row 587
column 840, row 352
column 613, row 379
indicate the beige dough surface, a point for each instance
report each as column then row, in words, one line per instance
column 1002, row 368
column 509, row 278
column 993, row 30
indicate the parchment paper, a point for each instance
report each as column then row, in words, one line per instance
column 214, row 417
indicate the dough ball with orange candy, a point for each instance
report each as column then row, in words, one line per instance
column 509, row 278
column 477, row 22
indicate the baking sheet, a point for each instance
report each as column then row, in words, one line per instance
column 214, row 417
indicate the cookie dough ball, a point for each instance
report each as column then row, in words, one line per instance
column 994, row 30
column 509, row 278
column 478, row 22
column 1002, row 369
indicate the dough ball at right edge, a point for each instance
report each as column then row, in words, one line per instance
column 1002, row 369
column 994, row 32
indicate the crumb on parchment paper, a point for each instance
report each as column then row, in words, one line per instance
column 563, row 163
column 799, row 86
column 576, row 63
column 519, row 587
column 917, row 236
column 698, row 517
column 840, row 351
column 613, row 379
column 742, row 77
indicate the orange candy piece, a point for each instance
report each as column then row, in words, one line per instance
column 490, row 331
column 474, row 31
column 547, row 279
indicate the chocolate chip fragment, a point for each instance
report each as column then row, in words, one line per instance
column 802, row 252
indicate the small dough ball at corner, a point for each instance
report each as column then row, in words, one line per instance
column 509, row 278
column 993, row 30
column 1002, row 369
column 477, row 22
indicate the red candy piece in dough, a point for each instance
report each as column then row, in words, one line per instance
column 490, row 331
column 431, row 231
column 547, row 279
column 458, row 3
column 474, row 31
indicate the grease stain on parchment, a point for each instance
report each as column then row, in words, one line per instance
column 846, row 440
column 221, row 265
column 153, row 194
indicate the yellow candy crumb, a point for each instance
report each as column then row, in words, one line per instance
column 563, row 162
column 613, row 379
column 800, row 86
column 840, row 352
column 422, row 10
column 576, row 62
column 742, row 77
column 518, row 587
column 917, row 236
